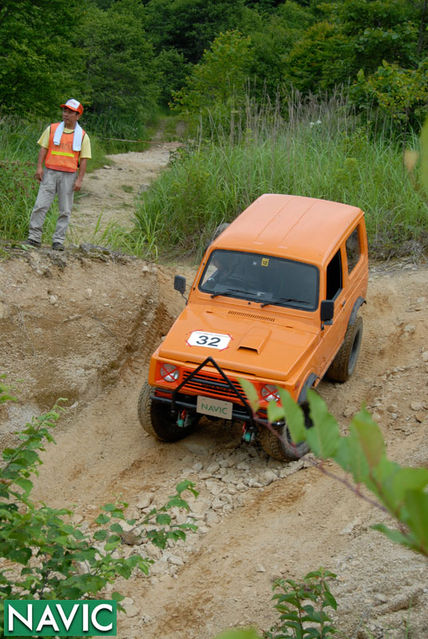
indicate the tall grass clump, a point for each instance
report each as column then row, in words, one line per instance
column 18, row 188
column 317, row 149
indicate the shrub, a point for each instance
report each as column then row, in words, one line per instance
column 43, row 555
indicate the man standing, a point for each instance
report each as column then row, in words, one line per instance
column 65, row 149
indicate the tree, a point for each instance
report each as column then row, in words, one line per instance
column 119, row 78
column 272, row 37
column 400, row 94
column 37, row 57
column 220, row 79
column 351, row 35
column 189, row 26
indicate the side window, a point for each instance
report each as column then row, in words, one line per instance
column 334, row 276
column 353, row 250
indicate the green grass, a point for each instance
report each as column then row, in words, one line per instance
column 323, row 154
column 318, row 150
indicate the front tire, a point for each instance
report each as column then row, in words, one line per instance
column 278, row 444
column 157, row 420
column 345, row 361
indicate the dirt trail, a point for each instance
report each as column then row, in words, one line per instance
column 82, row 325
column 108, row 195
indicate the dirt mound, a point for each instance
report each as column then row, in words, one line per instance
column 72, row 322
column 83, row 324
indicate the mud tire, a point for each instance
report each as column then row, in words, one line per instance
column 284, row 449
column 156, row 419
column 346, row 358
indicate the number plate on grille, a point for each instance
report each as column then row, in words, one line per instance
column 214, row 407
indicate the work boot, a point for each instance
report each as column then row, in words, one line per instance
column 57, row 246
column 34, row 243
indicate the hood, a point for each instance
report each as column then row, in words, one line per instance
column 242, row 341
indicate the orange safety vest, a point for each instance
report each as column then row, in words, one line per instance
column 62, row 157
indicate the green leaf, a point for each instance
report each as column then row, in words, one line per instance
column 186, row 485
column 251, row 393
column 393, row 481
column 416, row 503
column 100, row 535
column 293, row 416
column 330, row 600
column 357, row 460
column 275, row 412
column 109, row 507
column 405, row 479
column 102, row 519
column 250, row 633
column 369, row 436
column 20, row 555
column 324, row 436
column 178, row 503
column 116, row 596
column 25, row 484
column 117, row 528
column 394, row 535
column 163, row 519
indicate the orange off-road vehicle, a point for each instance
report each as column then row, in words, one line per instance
column 276, row 301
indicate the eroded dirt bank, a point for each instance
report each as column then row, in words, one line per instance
column 83, row 324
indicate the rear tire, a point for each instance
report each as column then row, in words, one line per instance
column 346, row 358
column 157, row 420
column 279, row 446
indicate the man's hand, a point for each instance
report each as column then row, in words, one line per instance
column 40, row 161
column 78, row 183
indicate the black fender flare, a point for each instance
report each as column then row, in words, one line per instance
column 310, row 380
column 357, row 305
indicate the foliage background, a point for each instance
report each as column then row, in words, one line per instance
column 125, row 59
column 248, row 78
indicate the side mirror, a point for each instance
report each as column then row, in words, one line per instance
column 327, row 310
column 180, row 284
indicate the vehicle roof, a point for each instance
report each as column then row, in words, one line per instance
column 292, row 226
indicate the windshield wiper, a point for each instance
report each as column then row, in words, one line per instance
column 229, row 291
column 279, row 300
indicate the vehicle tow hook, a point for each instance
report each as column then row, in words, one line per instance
column 248, row 434
column 182, row 418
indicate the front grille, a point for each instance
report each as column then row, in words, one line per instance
column 201, row 384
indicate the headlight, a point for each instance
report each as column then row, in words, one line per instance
column 269, row 393
column 169, row 372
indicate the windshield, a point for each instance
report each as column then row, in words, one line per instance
column 261, row 278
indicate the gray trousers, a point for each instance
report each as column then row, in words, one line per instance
column 53, row 183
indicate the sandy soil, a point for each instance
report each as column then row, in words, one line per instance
column 82, row 325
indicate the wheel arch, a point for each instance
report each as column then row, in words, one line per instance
column 309, row 382
column 357, row 305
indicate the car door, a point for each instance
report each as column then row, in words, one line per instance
column 333, row 331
